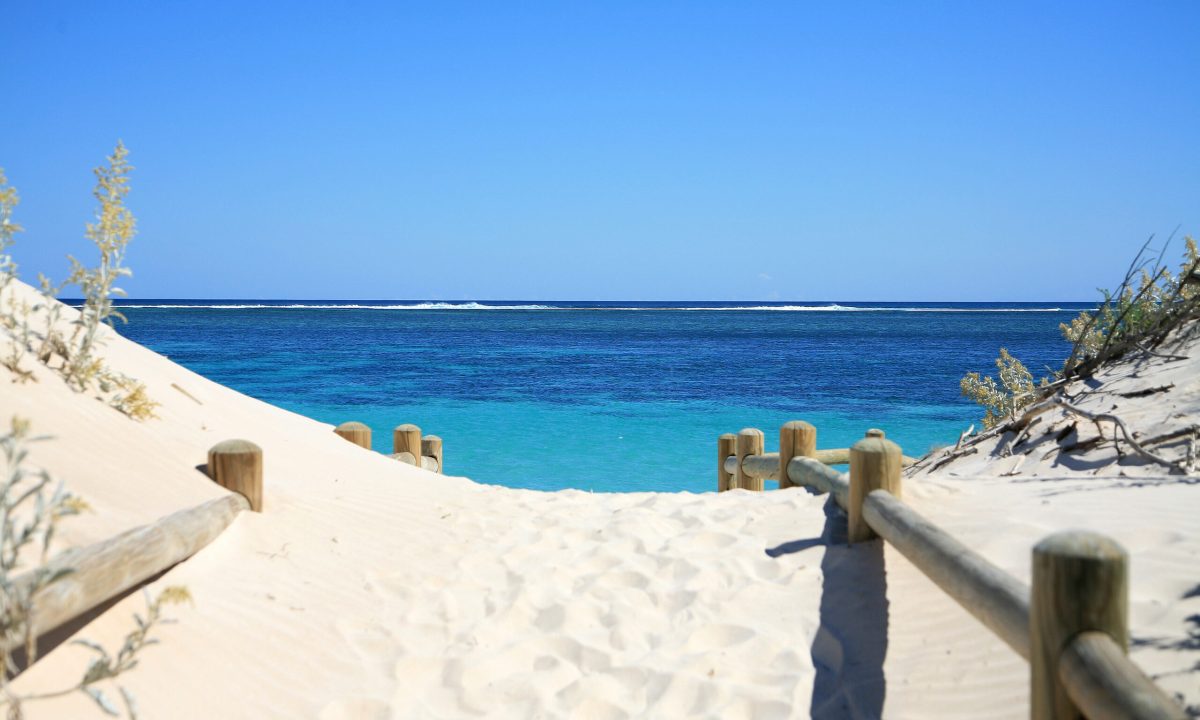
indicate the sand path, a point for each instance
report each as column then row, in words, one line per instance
column 370, row 589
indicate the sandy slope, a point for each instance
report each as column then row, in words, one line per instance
column 369, row 589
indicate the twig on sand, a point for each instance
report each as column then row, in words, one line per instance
column 1190, row 466
column 1023, row 435
column 1029, row 416
column 1190, row 430
column 1147, row 391
column 966, row 434
column 1109, row 417
column 185, row 392
column 1148, row 351
column 951, row 456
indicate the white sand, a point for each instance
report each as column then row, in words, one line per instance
column 370, row 589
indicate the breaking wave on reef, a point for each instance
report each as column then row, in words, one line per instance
column 832, row 307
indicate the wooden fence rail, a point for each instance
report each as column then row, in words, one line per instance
column 107, row 569
column 766, row 465
column 1071, row 624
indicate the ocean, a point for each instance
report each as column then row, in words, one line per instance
column 606, row 397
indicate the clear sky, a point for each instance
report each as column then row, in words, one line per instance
column 608, row 150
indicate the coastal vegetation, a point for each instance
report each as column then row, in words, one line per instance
column 32, row 503
column 31, row 506
column 37, row 328
column 1150, row 303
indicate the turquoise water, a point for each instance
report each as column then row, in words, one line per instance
column 605, row 396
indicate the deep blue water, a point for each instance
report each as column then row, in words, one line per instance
column 606, row 396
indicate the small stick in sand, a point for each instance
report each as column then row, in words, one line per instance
column 966, row 434
column 188, row 394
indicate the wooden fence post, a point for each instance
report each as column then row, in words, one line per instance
column 796, row 438
column 1080, row 583
column 407, row 439
column 237, row 465
column 874, row 465
column 431, row 446
column 356, row 433
column 749, row 442
column 726, row 446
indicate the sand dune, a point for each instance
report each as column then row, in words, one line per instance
column 370, row 589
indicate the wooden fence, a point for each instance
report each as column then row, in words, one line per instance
column 108, row 569
column 407, row 444
column 1071, row 624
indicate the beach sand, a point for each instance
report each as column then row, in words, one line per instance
column 370, row 589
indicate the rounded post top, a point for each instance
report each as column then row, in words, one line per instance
column 798, row 425
column 876, row 444
column 407, row 427
column 728, row 436
column 353, row 425
column 236, row 447
column 1080, row 545
column 875, row 433
column 431, row 438
column 750, row 431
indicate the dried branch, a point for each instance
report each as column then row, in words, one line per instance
column 1109, row 417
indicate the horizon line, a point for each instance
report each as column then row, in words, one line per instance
column 575, row 300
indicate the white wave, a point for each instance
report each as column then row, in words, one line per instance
column 852, row 308
column 481, row 306
column 345, row 306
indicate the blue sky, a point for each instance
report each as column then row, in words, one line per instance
column 643, row 150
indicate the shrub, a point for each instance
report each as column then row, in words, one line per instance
column 14, row 319
column 8, row 229
column 1129, row 318
column 80, row 364
column 1125, row 320
column 30, row 511
column 1000, row 400
column 111, row 233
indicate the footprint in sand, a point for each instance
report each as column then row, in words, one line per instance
column 767, row 569
column 372, row 642
column 717, row 637
column 551, row 619
column 681, row 696
column 583, row 699
column 707, row 540
column 597, row 561
column 587, row 659
column 356, row 709
column 676, row 602
column 627, row 579
column 827, row 651
column 677, row 570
